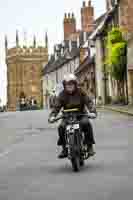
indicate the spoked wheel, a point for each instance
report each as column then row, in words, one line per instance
column 76, row 164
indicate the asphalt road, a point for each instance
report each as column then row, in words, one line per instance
column 30, row 170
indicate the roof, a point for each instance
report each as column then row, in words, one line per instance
column 56, row 64
column 102, row 22
column 99, row 19
column 97, row 23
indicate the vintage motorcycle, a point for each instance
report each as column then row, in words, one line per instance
column 77, row 149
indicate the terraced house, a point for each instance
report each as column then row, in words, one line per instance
column 69, row 54
column 54, row 71
column 119, row 14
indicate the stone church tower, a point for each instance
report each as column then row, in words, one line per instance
column 24, row 72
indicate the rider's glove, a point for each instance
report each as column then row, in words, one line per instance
column 92, row 115
column 51, row 119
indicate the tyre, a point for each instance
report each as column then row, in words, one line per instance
column 75, row 164
column 82, row 163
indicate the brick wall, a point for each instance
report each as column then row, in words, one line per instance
column 126, row 14
column 130, row 53
column 87, row 17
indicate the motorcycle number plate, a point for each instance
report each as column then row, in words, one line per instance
column 76, row 126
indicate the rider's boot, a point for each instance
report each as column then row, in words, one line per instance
column 91, row 150
column 64, row 152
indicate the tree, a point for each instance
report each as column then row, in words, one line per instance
column 116, row 59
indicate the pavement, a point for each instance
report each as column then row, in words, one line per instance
column 30, row 170
column 125, row 109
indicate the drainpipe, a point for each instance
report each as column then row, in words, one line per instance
column 105, row 79
column 126, row 76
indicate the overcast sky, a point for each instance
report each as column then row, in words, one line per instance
column 36, row 17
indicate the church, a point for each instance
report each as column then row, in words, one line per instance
column 24, row 72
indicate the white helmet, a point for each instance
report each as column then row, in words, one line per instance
column 69, row 78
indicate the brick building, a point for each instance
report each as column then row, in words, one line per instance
column 126, row 21
column 86, row 76
column 70, row 53
column 87, row 22
column 87, row 17
column 69, row 25
column 130, row 68
column 119, row 14
column 126, row 15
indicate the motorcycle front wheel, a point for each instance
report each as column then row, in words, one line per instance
column 82, row 163
column 76, row 164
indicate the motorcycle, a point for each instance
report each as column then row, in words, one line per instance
column 77, row 149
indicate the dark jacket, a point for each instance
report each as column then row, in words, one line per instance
column 78, row 99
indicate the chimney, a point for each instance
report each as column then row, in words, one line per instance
column 84, row 5
column 34, row 41
column 69, row 25
column 17, row 39
column 72, row 15
column 87, row 17
column 62, row 51
column 46, row 40
column 55, row 53
column 6, row 43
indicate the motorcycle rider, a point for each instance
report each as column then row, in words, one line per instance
column 73, row 97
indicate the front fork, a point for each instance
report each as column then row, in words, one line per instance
column 74, row 144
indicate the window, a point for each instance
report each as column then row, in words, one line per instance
column 70, row 68
column 67, row 67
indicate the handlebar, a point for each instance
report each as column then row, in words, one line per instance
column 90, row 116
